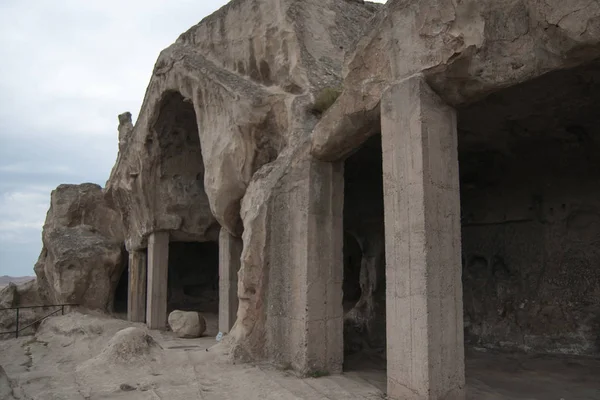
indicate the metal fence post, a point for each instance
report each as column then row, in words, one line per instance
column 17, row 328
column 62, row 309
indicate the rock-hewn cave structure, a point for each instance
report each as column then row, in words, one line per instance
column 449, row 196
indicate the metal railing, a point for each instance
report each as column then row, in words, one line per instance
column 20, row 329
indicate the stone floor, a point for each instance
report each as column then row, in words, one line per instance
column 499, row 376
column 52, row 365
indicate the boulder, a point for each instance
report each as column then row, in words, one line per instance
column 187, row 324
column 82, row 256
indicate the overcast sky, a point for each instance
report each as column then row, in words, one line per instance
column 67, row 69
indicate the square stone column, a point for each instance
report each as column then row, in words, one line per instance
column 158, row 269
column 425, row 345
column 136, row 294
column 230, row 252
column 323, row 274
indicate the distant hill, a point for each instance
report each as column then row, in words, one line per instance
column 5, row 280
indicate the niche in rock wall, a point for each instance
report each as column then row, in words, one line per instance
column 193, row 277
column 180, row 187
column 120, row 298
column 364, row 250
column 530, row 199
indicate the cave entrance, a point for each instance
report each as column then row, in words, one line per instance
column 193, row 279
column 120, row 298
column 530, row 200
column 364, row 259
column 183, row 252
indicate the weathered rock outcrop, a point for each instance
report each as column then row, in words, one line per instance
column 466, row 50
column 239, row 83
column 514, row 259
column 83, row 254
column 223, row 139
column 24, row 294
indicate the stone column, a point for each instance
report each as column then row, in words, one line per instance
column 158, row 268
column 136, row 295
column 425, row 348
column 323, row 275
column 230, row 252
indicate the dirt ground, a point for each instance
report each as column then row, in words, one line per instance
column 70, row 358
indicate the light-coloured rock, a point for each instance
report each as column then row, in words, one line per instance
column 187, row 324
column 130, row 346
column 83, row 255
column 226, row 141
column 6, row 392
column 466, row 50
column 23, row 294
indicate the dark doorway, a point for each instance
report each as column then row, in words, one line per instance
column 530, row 199
column 364, row 259
column 120, row 297
column 194, row 277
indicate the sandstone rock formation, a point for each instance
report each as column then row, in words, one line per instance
column 223, row 139
column 226, row 139
column 24, row 294
column 187, row 324
column 467, row 52
column 83, row 256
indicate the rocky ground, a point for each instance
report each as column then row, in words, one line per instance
column 79, row 356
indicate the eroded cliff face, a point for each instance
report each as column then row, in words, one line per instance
column 243, row 81
column 528, row 180
column 83, row 254
column 465, row 49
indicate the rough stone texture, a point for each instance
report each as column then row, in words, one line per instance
column 225, row 140
column 137, row 286
column 6, row 392
column 524, row 259
column 24, row 294
column 187, row 324
column 531, row 215
column 236, row 89
column 424, row 318
column 230, row 253
column 465, row 49
column 129, row 346
column 83, row 256
column 158, row 268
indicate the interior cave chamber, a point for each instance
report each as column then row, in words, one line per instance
column 364, row 255
column 530, row 223
column 530, row 209
column 119, row 304
column 193, row 277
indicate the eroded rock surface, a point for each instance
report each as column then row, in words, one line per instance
column 187, row 324
column 466, row 50
column 223, row 139
column 83, row 256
